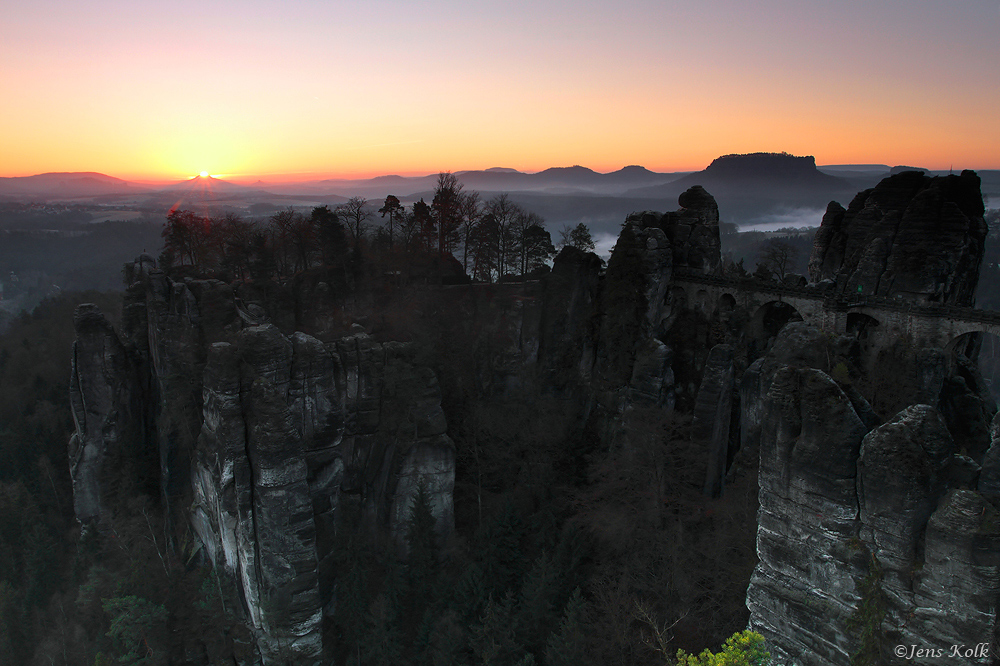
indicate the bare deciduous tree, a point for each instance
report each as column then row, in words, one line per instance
column 355, row 214
column 778, row 256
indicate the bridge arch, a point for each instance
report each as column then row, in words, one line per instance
column 983, row 348
column 727, row 303
column 703, row 301
column 967, row 344
column 861, row 325
column 766, row 321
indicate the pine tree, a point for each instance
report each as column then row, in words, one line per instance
column 421, row 538
column 133, row 621
column 470, row 593
column 744, row 648
column 499, row 550
column 383, row 645
column 567, row 645
column 352, row 600
column 539, row 589
column 493, row 640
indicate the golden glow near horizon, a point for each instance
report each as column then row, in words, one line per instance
column 149, row 90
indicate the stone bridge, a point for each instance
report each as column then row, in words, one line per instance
column 881, row 320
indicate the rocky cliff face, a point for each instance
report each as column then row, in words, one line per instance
column 107, row 412
column 692, row 231
column 868, row 538
column 911, row 235
column 264, row 442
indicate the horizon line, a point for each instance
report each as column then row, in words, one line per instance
column 300, row 176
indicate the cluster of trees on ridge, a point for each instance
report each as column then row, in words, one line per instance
column 494, row 238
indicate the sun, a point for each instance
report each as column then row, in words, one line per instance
column 203, row 174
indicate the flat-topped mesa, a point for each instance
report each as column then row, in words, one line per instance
column 763, row 164
column 911, row 235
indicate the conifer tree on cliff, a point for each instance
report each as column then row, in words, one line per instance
column 536, row 244
column 446, row 208
column 394, row 210
column 330, row 234
column 578, row 236
column 423, row 221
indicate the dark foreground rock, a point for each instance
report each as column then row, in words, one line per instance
column 867, row 538
column 269, row 442
column 911, row 235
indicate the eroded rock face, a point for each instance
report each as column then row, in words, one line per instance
column 853, row 518
column 804, row 588
column 938, row 549
column 565, row 352
column 693, row 231
column 713, row 415
column 106, row 407
column 296, row 433
column 634, row 296
column 911, row 235
column 265, row 442
column 904, row 466
column 961, row 573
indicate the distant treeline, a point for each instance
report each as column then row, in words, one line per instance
column 457, row 236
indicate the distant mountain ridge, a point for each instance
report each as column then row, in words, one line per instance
column 206, row 184
column 749, row 189
column 66, row 184
column 561, row 180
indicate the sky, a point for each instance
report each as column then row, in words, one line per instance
column 321, row 88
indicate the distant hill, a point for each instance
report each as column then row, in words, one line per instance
column 773, row 170
column 208, row 186
column 902, row 167
column 67, row 185
column 555, row 180
column 758, row 185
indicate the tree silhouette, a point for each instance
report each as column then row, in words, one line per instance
column 537, row 246
column 423, row 221
column 394, row 210
column 578, row 236
column 778, row 256
column 446, row 207
column 505, row 212
column 471, row 214
column 355, row 214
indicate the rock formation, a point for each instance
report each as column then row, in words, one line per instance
column 565, row 351
column 691, row 231
column 713, row 416
column 864, row 535
column 106, row 412
column 266, row 439
column 911, row 235
column 264, row 442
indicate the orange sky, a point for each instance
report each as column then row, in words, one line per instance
column 165, row 90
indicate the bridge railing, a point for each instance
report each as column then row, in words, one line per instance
column 840, row 301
